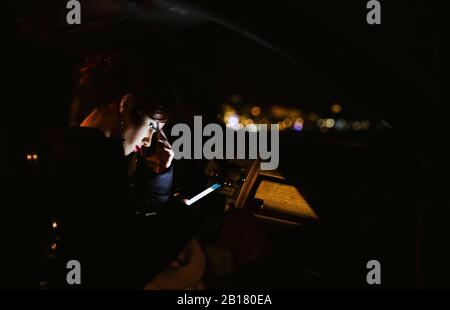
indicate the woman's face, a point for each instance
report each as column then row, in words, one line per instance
column 140, row 135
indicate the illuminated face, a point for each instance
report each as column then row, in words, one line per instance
column 138, row 136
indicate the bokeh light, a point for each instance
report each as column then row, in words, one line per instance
column 298, row 125
column 336, row 108
column 287, row 123
column 233, row 121
column 356, row 126
column 340, row 124
column 329, row 123
column 365, row 124
column 255, row 111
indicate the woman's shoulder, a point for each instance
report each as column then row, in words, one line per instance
column 77, row 134
column 73, row 142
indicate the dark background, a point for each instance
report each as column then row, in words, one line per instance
column 379, row 193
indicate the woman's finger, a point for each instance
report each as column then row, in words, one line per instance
column 162, row 133
column 165, row 143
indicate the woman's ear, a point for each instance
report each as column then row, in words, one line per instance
column 126, row 103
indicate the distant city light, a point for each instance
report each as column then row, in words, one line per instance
column 54, row 224
column 277, row 111
column 329, row 123
column 233, row 121
column 356, row 126
column 287, row 123
column 287, row 117
column 320, row 123
column 255, row 111
column 336, row 108
column 248, row 122
column 298, row 125
column 340, row 124
column 32, row 157
column 365, row 124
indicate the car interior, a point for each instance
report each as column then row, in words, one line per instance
column 358, row 173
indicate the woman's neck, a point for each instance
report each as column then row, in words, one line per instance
column 97, row 119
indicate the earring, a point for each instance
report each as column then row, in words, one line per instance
column 122, row 131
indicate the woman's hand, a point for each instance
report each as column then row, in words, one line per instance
column 162, row 158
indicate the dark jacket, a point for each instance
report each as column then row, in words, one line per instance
column 103, row 222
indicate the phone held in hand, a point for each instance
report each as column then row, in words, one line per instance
column 202, row 194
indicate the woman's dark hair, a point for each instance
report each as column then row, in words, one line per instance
column 103, row 78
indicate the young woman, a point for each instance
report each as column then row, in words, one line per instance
column 115, row 216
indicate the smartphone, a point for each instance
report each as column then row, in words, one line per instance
column 203, row 194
